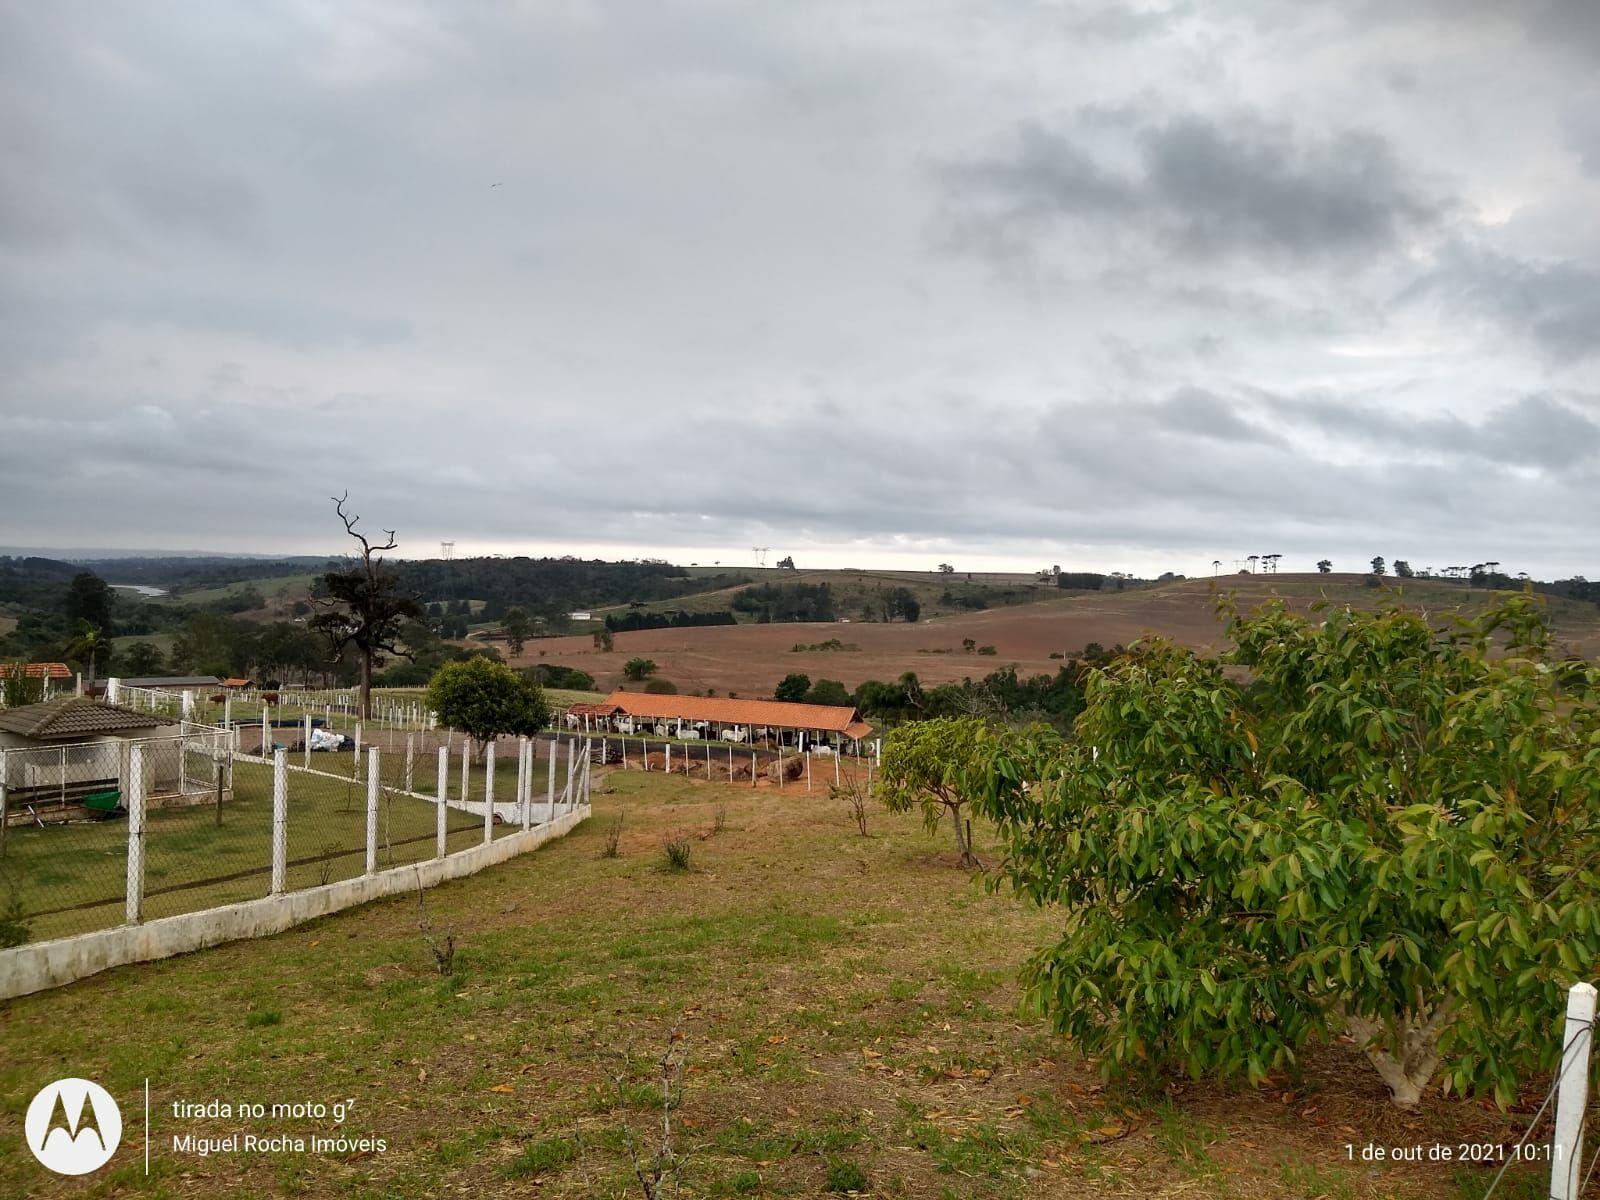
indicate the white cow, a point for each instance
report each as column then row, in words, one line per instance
column 573, row 721
column 736, row 734
column 624, row 724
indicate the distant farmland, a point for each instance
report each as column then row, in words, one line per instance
column 751, row 659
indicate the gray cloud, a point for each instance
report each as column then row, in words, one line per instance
column 1309, row 279
column 1202, row 186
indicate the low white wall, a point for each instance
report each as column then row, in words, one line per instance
column 41, row 965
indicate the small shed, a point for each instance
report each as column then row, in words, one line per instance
column 58, row 755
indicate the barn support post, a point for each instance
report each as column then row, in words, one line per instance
column 135, row 796
column 442, row 786
column 488, row 792
column 550, row 785
column 411, row 753
column 280, row 820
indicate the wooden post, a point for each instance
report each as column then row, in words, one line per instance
column 280, row 819
column 135, row 798
column 372, row 811
column 441, row 789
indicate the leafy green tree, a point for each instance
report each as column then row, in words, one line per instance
column 88, row 600
column 142, row 658
column 794, row 687
column 1389, row 830
column 517, row 626
column 90, row 646
column 939, row 766
column 828, row 691
column 363, row 606
column 485, row 700
column 639, row 668
column 1403, row 569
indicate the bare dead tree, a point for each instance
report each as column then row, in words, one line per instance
column 363, row 605
column 660, row 1173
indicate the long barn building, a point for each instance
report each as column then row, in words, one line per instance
column 721, row 718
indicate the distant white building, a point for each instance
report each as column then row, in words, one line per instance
column 579, row 616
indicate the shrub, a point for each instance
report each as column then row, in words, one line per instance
column 485, row 699
column 661, row 687
column 639, row 668
column 679, row 851
column 1390, row 829
column 987, row 650
column 611, row 848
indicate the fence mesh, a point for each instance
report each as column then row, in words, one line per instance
column 208, row 819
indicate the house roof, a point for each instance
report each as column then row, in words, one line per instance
column 74, row 716
column 42, row 670
column 726, row 711
column 237, row 682
column 173, row 681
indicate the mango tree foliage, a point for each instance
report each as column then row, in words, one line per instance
column 486, row 699
column 1379, row 828
column 938, row 766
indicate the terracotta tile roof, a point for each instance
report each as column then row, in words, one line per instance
column 41, row 670
column 74, row 716
column 237, row 683
column 725, row 711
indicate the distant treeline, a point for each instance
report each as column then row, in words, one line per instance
column 629, row 622
column 770, row 602
column 552, row 587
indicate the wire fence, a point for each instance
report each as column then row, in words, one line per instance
column 97, row 834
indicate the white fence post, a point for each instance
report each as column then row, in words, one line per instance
column 136, row 835
column 355, row 752
column 372, row 811
column 1572, row 1094
column 550, row 787
column 411, row 751
column 266, row 731
column 305, row 742
column 466, row 772
column 443, row 788
column 521, row 798
column 488, row 792
column 280, row 820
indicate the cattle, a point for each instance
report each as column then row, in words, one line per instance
column 736, row 734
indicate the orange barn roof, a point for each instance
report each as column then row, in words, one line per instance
column 43, row 670
column 727, row 711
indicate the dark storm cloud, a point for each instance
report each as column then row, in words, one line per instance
column 1200, row 186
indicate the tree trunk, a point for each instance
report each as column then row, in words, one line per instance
column 1409, row 1065
column 964, row 840
column 364, row 704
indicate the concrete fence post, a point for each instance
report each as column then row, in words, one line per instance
column 522, row 781
column 488, row 792
column 808, row 770
column 280, row 820
column 1572, row 1094
column 753, row 768
column 266, row 731
column 372, row 811
column 442, row 788
column 411, row 754
column 356, row 752
column 550, row 785
column 572, row 769
column 466, row 771
column 305, row 741
column 135, row 799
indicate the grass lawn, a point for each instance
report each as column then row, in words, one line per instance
column 848, row 1009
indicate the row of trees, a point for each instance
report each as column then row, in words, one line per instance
column 1383, row 829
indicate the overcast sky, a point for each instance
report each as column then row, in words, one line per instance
column 1115, row 286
